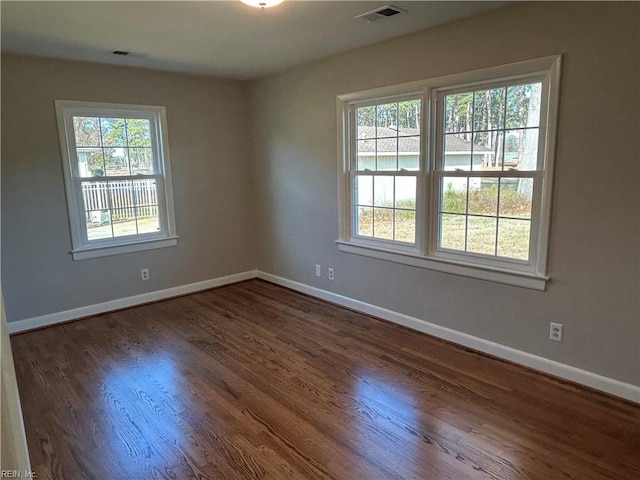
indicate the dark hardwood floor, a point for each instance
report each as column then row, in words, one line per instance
column 255, row 381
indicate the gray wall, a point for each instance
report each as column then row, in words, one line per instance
column 207, row 122
column 594, row 256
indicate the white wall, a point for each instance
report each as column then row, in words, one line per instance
column 594, row 254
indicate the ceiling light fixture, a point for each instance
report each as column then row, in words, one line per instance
column 262, row 3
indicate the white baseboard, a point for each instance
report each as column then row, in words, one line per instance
column 60, row 317
column 557, row 369
column 589, row 379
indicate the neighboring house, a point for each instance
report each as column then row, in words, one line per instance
column 83, row 160
column 458, row 154
column 380, row 147
column 387, row 142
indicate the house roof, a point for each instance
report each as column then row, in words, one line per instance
column 408, row 141
column 454, row 144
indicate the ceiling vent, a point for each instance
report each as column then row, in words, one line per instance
column 380, row 13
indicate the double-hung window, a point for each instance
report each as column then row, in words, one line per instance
column 385, row 170
column 117, row 176
column 453, row 173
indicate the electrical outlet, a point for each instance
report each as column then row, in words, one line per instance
column 144, row 273
column 555, row 332
column 330, row 273
column 318, row 270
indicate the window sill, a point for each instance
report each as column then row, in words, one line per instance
column 491, row 274
column 107, row 250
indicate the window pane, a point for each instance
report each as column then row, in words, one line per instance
column 87, row 131
column 481, row 235
column 98, row 224
column 483, row 196
column 366, row 122
column 90, row 162
column 364, row 221
column 409, row 117
column 513, row 238
column 145, row 192
column 454, row 195
column 364, row 190
column 146, row 212
column 488, row 109
column 458, row 112
column 516, row 196
column 488, row 150
column 387, row 116
column 405, row 230
column 124, row 222
column 116, row 161
column 366, row 155
column 457, row 152
column 123, row 214
column 409, row 153
column 383, row 191
column 389, row 136
column 141, row 159
column 95, row 196
column 383, row 223
column 97, row 218
column 387, row 154
column 405, row 194
column 523, row 105
column 148, row 219
column 113, row 132
column 521, row 149
column 121, row 194
column 452, row 231
column 138, row 132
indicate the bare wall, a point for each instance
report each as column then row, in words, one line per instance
column 211, row 178
column 594, row 253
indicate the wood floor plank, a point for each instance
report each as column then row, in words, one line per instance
column 254, row 381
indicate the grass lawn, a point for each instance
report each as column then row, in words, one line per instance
column 462, row 228
column 480, row 232
column 383, row 219
column 123, row 228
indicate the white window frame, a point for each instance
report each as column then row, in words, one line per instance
column 82, row 247
column 425, row 253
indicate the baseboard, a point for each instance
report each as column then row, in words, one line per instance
column 60, row 317
column 557, row 369
column 614, row 387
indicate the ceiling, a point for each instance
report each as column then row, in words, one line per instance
column 218, row 38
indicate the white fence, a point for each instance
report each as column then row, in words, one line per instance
column 123, row 199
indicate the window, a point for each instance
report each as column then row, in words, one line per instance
column 385, row 170
column 117, row 175
column 453, row 173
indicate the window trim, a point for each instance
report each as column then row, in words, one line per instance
column 425, row 254
column 82, row 248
